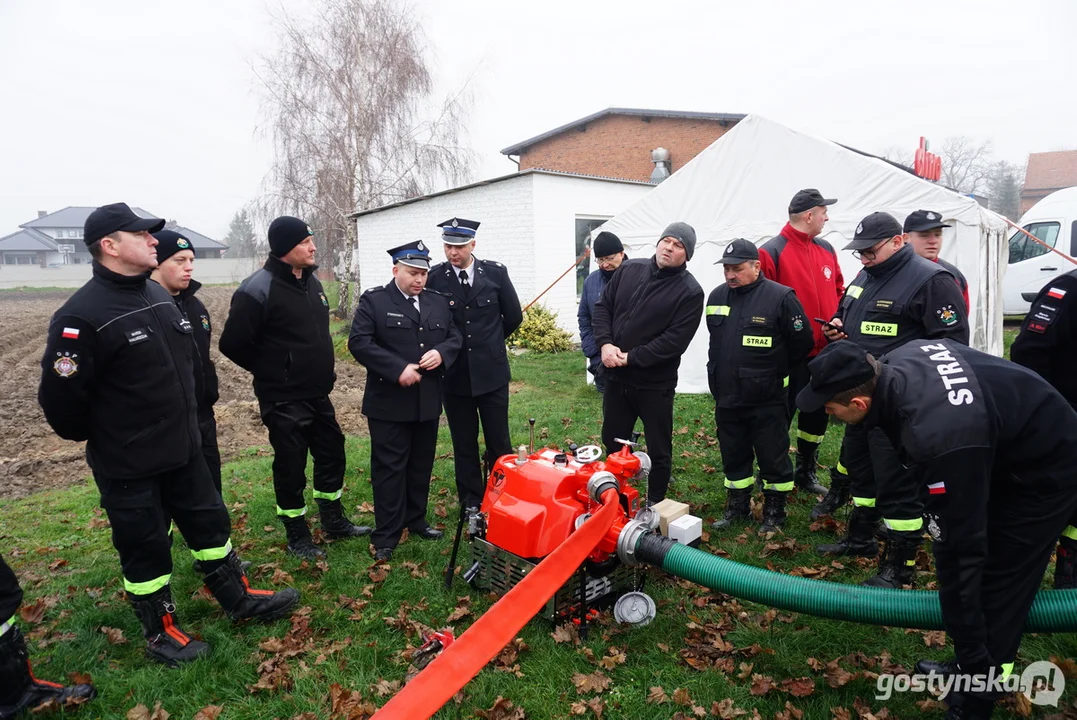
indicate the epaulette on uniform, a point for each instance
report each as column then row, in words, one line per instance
column 376, row 288
column 432, row 290
column 495, row 263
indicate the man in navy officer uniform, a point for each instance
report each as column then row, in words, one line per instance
column 405, row 337
column 486, row 310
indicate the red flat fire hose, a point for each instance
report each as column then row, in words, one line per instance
column 433, row 687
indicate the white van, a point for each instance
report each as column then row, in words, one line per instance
column 1054, row 221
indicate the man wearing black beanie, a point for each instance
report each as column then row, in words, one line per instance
column 278, row 330
column 643, row 322
column 609, row 253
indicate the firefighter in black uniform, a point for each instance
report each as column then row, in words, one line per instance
column 758, row 332
column 406, row 339
column 278, row 330
column 995, row 446
column 1047, row 345
column 19, row 689
column 118, row 372
column 897, row 297
column 923, row 230
column 486, row 310
column 175, row 263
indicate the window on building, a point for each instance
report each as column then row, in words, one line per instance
column 1022, row 247
column 585, row 227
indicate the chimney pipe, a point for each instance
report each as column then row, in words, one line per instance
column 660, row 158
column 42, row 213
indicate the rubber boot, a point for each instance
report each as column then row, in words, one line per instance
column 229, row 585
column 837, row 496
column 860, row 540
column 804, row 473
column 20, row 690
column 1066, row 564
column 165, row 640
column 300, row 543
column 898, row 564
column 773, row 511
column 738, row 508
column 942, row 668
column 335, row 524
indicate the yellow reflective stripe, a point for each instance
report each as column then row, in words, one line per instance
column 808, row 437
column 8, row 624
column 878, row 328
column 219, row 553
column 1070, row 532
column 717, row 309
column 864, row 502
column 171, row 527
column 739, row 484
column 1007, row 670
column 318, row 495
column 841, row 468
column 854, row 291
column 780, row 487
column 785, row 381
column 146, row 588
column 757, row 341
column 298, row 512
column 904, row 525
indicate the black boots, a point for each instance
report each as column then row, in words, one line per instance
column 165, row 640
column 20, row 690
column 860, row 539
column 898, row 564
column 804, row 473
column 738, row 508
column 773, row 511
column 229, row 585
column 837, row 496
column 300, row 543
column 942, row 668
column 335, row 524
column 1066, row 564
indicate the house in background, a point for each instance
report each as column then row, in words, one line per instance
column 1047, row 172
column 54, row 239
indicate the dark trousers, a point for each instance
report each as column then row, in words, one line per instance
column 140, row 510
column 878, row 479
column 207, row 426
column 763, row 429
column 598, row 371
column 401, row 459
column 296, row 427
column 464, row 413
column 811, row 426
column 621, row 407
column 10, row 592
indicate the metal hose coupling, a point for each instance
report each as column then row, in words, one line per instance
column 600, row 482
column 644, row 466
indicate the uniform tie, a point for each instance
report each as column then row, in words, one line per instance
column 415, row 301
column 463, row 278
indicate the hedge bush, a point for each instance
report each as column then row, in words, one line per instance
column 540, row 332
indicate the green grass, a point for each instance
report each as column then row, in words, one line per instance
column 86, row 593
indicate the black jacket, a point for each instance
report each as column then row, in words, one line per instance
column 652, row 315
column 278, row 330
column 485, row 315
column 1047, row 343
column 386, row 336
column 206, row 386
column 963, row 421
column 758, row 333
column 118, row 372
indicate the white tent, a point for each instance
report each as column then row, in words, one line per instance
column 740, row 186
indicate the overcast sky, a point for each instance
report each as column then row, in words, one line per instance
column 156, row 103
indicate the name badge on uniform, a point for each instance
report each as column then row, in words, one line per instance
column 883, row 304
column 134, row 337
column 756, row 320
column 878, row 328
column 757, row 341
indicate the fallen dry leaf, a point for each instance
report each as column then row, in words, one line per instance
column 761, row 685
column 378, row 573
column 798, row 687
column 209, row 712
column 681, row 697
column 657, row 696
column 502, row 709
column 596, row 682
column 726, row 710
column 141, row 712
column 32, row 613
column 935, row 639
column 114, row 636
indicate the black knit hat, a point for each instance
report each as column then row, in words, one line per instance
column 170, row 242
column 685, row 233
column 285, row 233
column 606, row 243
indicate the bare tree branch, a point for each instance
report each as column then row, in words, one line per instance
column 965, row 165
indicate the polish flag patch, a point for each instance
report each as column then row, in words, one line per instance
column 938, row 488
column 72, row 333
column 1056, row 293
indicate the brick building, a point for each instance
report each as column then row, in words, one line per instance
column 617, row 142
column 1047, row 172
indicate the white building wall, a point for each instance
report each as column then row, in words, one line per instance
column 504, row 209
column 559, row 200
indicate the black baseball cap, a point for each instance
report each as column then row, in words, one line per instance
column 874, row 229
column 924, row 220
column 840, row 366
column 806, row 199
column 738, row 251
column 108, row 219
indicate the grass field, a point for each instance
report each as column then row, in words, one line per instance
column 705, row 655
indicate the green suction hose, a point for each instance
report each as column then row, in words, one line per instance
column 1053, row 610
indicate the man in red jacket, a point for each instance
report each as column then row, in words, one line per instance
column 800, row 259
